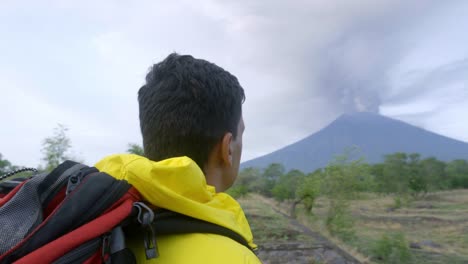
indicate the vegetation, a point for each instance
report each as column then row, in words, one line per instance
column 392, row 248
column 5, row 165
column 342, row 179
column 266, row 223
column 433, row 227
column 135, row 149
column 333, row 199
column 56, row 148
column 407, row 176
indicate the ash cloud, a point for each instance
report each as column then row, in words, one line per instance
column 338, row 52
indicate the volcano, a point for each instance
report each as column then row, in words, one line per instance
column 373, row 134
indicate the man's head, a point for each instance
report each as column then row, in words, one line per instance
column 191, row 107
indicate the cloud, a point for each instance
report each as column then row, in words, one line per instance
column 340, row 53
column 449, row 81
column 302, row 63
column 435, row 99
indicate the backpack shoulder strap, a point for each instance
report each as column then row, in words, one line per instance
column 168, row 222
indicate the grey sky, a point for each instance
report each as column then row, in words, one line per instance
column 302, row 63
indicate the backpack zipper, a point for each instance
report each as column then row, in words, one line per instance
column 82, row 253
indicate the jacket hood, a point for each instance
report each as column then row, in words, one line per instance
column 179, row 185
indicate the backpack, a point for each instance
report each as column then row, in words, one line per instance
column 76, row 214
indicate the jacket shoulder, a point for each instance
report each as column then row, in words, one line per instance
column 196, row 248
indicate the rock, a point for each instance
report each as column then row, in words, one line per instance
column 332, row 257
column 415, row 245
column 425, row 206
column 430, row 243
column 318, row 251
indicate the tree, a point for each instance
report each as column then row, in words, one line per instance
column 56, row 148
column 405, row 174
column 250, row 178
column 269, row 177
column 343, row 178
column 417, row 180
column 433, row 170
column 297, row 188
column 457, row 173
column 274, row 171
column 306, row 192
column 247, row 181
column 5, row 165
column 135, row 149
column 285, row 186
column 394, row 177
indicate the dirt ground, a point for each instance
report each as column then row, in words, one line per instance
column 281, row 239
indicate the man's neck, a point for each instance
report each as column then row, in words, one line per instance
column 214, row 177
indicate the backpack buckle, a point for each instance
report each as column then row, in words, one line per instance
column 145, row 214
column 145, row 217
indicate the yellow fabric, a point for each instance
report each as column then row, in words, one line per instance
column 178, row 184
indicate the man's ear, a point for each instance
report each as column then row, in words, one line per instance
column 226, row 149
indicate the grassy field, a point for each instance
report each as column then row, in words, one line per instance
column 435, row 226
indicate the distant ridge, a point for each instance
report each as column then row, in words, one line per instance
column 374, row 134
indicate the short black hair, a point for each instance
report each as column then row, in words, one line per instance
column 186, row 107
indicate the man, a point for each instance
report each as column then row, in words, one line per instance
column 192, row 126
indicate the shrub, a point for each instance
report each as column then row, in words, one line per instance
column 238, row 191
column 398, row 204
column 339, row 221
column 392, row 248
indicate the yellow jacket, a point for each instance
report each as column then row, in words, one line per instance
column 179, row 185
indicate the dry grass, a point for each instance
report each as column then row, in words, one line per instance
column 266, row 224
column 313, row 225
column 441, row 218
column 313, row 222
